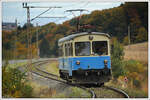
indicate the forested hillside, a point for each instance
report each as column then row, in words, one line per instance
column 114, row 21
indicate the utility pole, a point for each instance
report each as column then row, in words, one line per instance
column 37, row 42
column 78, row 19
column 29, row 54
column 29, row 36
column 15, row 47
column 129, row 34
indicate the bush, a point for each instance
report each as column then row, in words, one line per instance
column 133, row 66
column 126, row 40
column 117, row 59
column 142, row 35
column 26, row 91
column 14, row 83
column 135, row 72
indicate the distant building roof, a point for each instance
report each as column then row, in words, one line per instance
column 8, row 26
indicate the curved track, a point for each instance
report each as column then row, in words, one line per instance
column 45, row 74
column 48, row 75
column 118, row 90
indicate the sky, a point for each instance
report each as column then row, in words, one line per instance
column 14, row 10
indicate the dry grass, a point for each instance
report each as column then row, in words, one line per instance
column 74, row 92
column 137, row 52
column 40, row 91
column 52, row 67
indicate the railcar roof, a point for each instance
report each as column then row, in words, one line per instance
column 69, row 37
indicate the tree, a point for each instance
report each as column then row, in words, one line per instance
column 25, row 26
column 142, row 35
column 137, row 17
column 21, row 50
column 44, row 48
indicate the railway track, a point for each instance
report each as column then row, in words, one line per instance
column 45, row 74
column 109, row 92
column 118, row 90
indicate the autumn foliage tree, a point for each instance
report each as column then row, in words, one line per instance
column 114, row 21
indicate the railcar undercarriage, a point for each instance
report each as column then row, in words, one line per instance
column 91, row 76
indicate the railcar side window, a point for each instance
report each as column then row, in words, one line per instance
column 71, row 50
column 82, row 48
column 100, row 47
column 66, row 50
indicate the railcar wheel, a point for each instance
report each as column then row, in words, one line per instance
column 61, row 75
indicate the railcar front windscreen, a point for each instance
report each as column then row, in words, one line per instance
column 100, row 47
column 82, row 48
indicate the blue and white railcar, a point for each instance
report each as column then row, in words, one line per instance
column 85, row 57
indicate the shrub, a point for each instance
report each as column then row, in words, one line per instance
column 117, row 59
column 26, row 91
column 135, row 71
column 142, row 35
column 14, row 83
column 126, row 40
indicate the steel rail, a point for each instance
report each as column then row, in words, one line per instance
column 47, row 72
column 93, row 95
column 118, row 90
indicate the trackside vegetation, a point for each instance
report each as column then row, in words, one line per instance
column 129, row 75
column 117, row 58
column 14, row 83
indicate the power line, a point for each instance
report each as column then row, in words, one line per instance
column 40, row 14
column 29, row 36
column 37, row 41
column 50, row 17
column 78, row 19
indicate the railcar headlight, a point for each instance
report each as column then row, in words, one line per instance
column 105, row 61
column 78, row 62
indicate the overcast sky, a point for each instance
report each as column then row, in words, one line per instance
column 13, row 10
